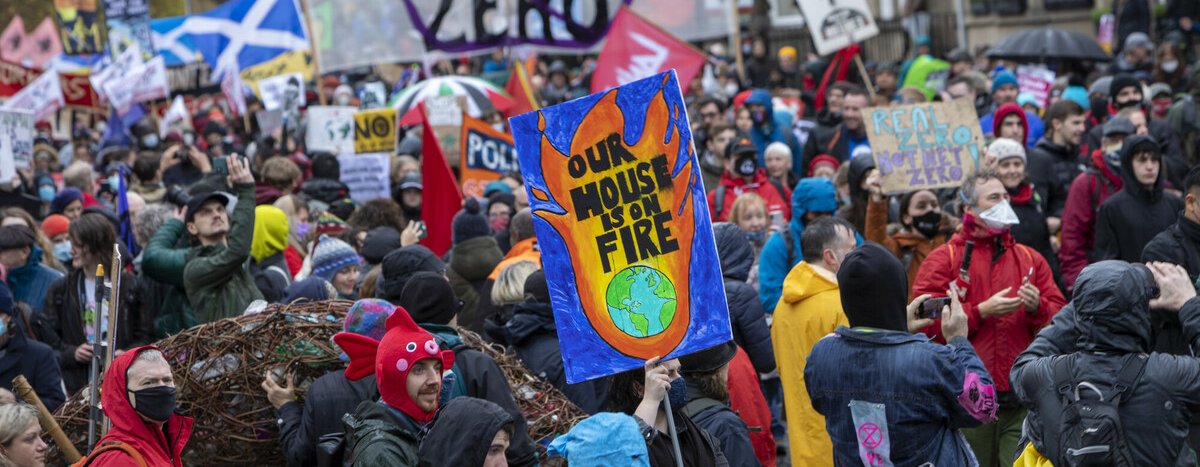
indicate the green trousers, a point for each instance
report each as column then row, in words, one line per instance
column 995, row 444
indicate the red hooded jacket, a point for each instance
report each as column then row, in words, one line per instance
column 735, row 186
column 1088, row 191
column 998, row 340
column 1004, row 111
column 159, row 448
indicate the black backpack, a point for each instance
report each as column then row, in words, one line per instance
column 1090, row 432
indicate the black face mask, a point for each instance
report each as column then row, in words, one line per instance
column 1098, row 106
column 745, row 165
column 928, row 224
column 156, row 403
column 1128, row 104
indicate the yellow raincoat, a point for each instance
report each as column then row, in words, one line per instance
column 810, row 309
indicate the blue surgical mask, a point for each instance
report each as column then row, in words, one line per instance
column 678, row 394
column 150, row 141
column 62, row 251
column 114, row 182
column 756, row 237
column 46, row 193
column 302, row 229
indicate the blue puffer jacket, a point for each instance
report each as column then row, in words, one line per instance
column 811, row 195
column 30, row 282
column 780, row 130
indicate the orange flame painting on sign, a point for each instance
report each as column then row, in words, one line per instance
column 623, row 226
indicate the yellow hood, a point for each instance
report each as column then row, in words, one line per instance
column 270, row 232
column 804, row 281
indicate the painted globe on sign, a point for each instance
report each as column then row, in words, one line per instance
column 641, row 301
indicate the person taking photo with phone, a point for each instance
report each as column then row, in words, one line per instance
column 1007, row 292
column 889, row 396
column 217, row 276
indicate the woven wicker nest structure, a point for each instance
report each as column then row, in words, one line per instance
column 219, row 369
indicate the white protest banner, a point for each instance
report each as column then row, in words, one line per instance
column 835, row 24
column 235, row 94
column 143, row 83
column 269, row 120
column 282, row 92
column 920, row 146
column 176, row 117
column 128, row 60
column 16, row 142
column 330, row 129
column 445, row 114
column 368, row 176
column 1035, row 80
column 42, row 97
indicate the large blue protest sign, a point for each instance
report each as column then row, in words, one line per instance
column 623, row 226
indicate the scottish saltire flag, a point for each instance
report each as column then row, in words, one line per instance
column 172, row 41
column 244, row 33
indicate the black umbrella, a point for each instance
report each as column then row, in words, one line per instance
column 1039, row 45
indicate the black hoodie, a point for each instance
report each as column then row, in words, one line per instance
column 462, row 433
column 1128, row 220
column 531, row 333
column 874, row 288
column 750, row 329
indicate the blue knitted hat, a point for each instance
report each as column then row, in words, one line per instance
column 331, row 255
column 1003, row 78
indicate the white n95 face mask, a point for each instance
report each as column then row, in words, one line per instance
column 999, row 217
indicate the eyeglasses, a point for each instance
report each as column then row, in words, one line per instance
column 709, row 115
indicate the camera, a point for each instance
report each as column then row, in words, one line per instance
column 178, row 196
column 932, row 308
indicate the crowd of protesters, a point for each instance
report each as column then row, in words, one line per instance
column 1038, row 257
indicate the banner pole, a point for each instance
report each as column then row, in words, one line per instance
column 674, row 434
column 312, row 51
column 735, row 43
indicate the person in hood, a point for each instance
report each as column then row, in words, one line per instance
column 474, row 255
column 754, row 353
column 846, row 136
column 1129, row 219
column 812, row 199
column 21, row 257
column 407, row 364
column 467, row 432
column 769, row 125
column 810, row 309
column 532, row 335
column 1178, row 244
column 605, row 438
column 22, row 355
column 923, row 226
column 399, row 266
column 312, row 289
column 1007, row 158
column 152, row 429
column 1007, row 292
column 328, row 398
column 325, row 185
column 743, row 174
column 269, row 268
column 1089, row 190
column 1106, row 327
column 889, row 396
column 861, row 176
column 427, row 297
column 706, row 375
column 1004, row 95
column 1054, row 161
column 1125, row 92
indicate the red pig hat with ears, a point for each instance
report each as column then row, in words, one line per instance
column 390, row 359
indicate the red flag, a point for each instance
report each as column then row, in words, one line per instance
column 441, row 196
column 638, row 48
column 524, row 96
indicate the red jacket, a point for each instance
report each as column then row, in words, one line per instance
column 158, row 449
column 735, row 186
column 746, row 400
column 997, row 340
column 1088, row 192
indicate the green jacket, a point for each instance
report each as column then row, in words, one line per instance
column 217, row 277
column 163, row 262
column 378, row 436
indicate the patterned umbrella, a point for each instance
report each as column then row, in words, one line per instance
column 481, row 95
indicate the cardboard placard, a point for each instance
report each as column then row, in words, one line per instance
column 375, row 131
column 366, row 175
column 330, row 129
column 623, row 226
column 284, row 92
column 445, row 114
column 487, row 154
column 16, row 142
column 928, row 145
